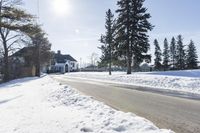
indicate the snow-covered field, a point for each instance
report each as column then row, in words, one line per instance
column 185, row 81
column 42, row 105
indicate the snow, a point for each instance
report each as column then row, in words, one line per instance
column 183, row 81
column 184, row 73
column 42, row 105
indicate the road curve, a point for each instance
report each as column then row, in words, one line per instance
column 178, row 114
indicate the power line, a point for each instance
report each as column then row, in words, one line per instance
column 38, row 10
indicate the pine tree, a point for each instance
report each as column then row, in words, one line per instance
column 123, row 24
column 158, row 54
column 139, row 29
column 173, row 52
column 42, row 46
column 166, row 55
column 191, row 58
column 180, row 54
column 132, row 29
column 108, row 40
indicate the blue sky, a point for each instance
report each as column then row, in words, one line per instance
column 77, row 31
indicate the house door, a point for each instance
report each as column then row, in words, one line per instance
column 66, row 68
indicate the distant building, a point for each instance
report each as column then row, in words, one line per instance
column 145, row 67
column 64, row 63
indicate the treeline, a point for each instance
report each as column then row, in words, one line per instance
column 176, row 55
column 125, row 42
column 17, row 29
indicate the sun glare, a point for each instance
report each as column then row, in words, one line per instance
column 61, row 7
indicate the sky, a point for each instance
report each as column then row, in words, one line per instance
column 75, row 26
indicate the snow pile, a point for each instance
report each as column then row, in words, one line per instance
column 184, row 73
column 41, row 105
column 100, row 118
column 184, row 81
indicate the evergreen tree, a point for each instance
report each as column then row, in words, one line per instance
column 42, row 53
column 108, row 40
column 132, row 27
column 158, row 54
column 180, row 54
column 104, row 59
column 123, row 24
column 166, row 55
column 191, row 58
column 173, row 52
column 139, row 29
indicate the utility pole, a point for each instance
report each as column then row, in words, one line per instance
column 38, row 10
column 38, row 63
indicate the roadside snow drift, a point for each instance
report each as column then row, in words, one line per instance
column 42, row 105
column 184, row 81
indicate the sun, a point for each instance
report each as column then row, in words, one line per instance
column 61, row 7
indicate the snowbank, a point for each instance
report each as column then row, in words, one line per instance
column 184, row 81
column 184, row 73
column 41, row 105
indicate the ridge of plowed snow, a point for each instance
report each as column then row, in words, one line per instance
column 184, row 81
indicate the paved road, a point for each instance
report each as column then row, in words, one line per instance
column 182, row 115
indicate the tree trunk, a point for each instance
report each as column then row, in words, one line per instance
column 110, row 73
column 5, row 58
column 128, row 39
column 110, row 62
column 129, row 64
column 6, row 74
column 129, row 55
column 129, row 61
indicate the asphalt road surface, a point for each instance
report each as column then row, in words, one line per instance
column 164, row 109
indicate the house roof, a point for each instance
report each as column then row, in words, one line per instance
column 23, row 51
column 60, row 58
column 63, row 58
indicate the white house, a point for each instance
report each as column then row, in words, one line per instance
column 145, row 67
column 64, row 63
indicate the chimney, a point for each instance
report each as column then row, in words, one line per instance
column 59, row 52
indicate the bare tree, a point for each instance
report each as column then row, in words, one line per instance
column 14, row 23
column 93, row 59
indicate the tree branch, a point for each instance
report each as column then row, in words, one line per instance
column 12, row 38
column 12, row 43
